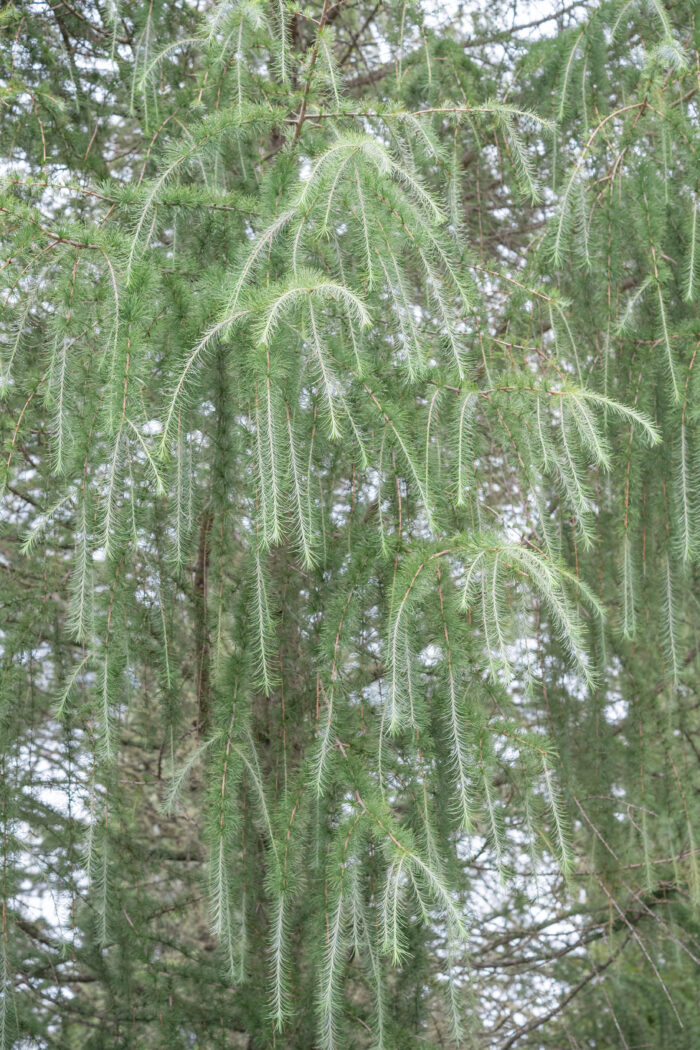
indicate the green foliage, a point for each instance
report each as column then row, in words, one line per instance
column 350, row 526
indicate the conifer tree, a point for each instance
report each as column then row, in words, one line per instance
column 350, row 525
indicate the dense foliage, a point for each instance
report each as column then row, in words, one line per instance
column 350, row 524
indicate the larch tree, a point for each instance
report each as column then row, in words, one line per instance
column 350, row 524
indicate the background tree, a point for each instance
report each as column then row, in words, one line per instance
column 350, row 525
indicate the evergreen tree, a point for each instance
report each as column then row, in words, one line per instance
column 350, row 525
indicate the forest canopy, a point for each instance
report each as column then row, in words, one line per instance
column 349, row 524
